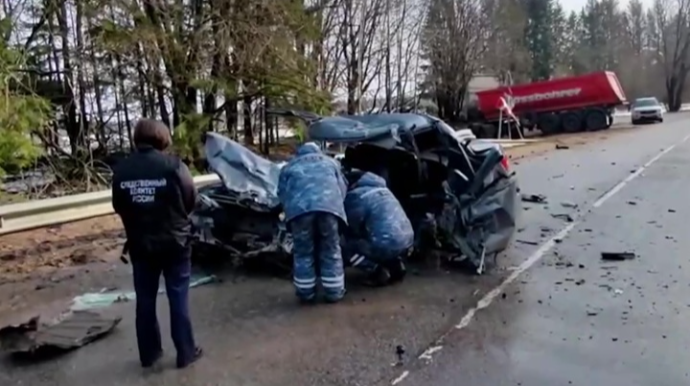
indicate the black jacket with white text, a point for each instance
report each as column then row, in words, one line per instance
column 154, row 194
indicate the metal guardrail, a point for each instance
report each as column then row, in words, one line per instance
column 52, row 211
column 41, row 213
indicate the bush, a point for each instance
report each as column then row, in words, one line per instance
column 21, row 114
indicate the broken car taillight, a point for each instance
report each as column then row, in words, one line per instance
column 505, row 163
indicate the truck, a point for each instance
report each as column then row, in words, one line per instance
column 562, row 105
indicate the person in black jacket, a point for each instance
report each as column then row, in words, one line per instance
column 154, row 194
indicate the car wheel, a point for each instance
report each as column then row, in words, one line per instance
column 661, row 120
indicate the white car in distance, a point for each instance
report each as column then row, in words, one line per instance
column 647, row 109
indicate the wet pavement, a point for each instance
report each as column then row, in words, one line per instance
column 568, row 319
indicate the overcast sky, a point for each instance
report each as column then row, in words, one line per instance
column 571, row 5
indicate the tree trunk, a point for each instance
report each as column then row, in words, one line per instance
column 248, row 132
column 76, row 136
column 84, row 121
column 103, row 137
column 160, row 94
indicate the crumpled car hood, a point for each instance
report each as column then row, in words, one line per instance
column 242, row 171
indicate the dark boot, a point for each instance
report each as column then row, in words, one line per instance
column 198, row 353
column 380, row 277
column 334, row 300
column 307, row 301
column 397, row 271
column 152, row 362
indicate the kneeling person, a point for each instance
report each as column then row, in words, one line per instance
column 379, row 235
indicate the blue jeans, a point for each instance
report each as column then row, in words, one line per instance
column 174, row 264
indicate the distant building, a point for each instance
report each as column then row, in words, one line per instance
column 480, row 82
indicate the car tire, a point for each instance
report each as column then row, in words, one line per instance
column 635, row 123
column 661, row 120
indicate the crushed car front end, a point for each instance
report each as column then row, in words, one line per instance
column 458, row 191
column 240, row 217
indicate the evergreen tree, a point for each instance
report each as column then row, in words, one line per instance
column 539, row 37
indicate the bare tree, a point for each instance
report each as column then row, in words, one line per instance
column 671, row 26
column 506, row 51
column 455, row 35
column 401, row 38
column 634, row 55
column 360, row 46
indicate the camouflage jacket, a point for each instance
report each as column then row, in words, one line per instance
column 312, row 182
column 375, row 214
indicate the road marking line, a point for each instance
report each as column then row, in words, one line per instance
column 400, row 378
column 613, row 191
column 527, row 264
column 537, row 255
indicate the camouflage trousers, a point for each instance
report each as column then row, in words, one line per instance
column 360, row 253
column 316, row 242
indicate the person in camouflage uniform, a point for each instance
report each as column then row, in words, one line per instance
column 379, row 235
column 312, row 189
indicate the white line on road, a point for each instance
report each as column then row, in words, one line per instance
column 400, row 378
column 537, row 255
column 634, row 175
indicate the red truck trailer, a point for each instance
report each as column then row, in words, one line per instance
column 570, row 104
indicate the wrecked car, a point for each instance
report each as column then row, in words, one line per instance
column 458, row 191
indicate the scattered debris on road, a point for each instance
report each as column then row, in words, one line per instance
column 563, row 216
column 400, row 355
column 617, row 256
column 533, row 198
column 560, row 146
column 633, row 203
column 528, row 242
column 569, row 204
column 69, row 331
column 104, row 299
column 42, row 335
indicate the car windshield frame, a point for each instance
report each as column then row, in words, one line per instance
column 646, row 102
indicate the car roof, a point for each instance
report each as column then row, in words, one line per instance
column 646, row 99
column 367, row 127
column 405, row 121
column 382, row 129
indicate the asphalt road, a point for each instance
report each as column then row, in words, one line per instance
column 553, row 314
